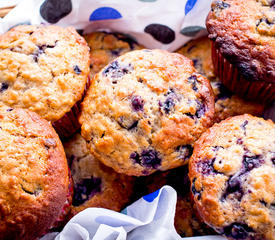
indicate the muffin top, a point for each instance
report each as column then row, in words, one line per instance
column 232, row 171
column 34, row 175
column 43, row 69
column 145, row 110
column 227, row 104
column 105, row 47
column 244, row 30
column 95, row 185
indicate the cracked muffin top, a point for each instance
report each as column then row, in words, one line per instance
column 232, row 171
column 43, row 69
column 244, row 31
column 34, row 175
column 95, row 185
column 144, row 111
column 105, row 47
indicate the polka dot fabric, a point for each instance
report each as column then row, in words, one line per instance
column 169, row 29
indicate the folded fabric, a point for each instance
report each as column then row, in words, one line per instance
column 151, row 217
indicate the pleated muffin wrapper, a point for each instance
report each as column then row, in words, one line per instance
column 231, row 77
column 69, row 124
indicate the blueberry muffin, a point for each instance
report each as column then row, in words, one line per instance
column 144, row 111
column 243, row 40
column 227, row 104
column 105, row 47
column 232, row 171
column 187, row 222
column 45, row 70
column 95, row 185
column 34, row 175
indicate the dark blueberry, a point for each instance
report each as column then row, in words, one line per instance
column 193, row 81
column 265, row 20
column 169, row 92
column 127, row 123
column 114, row 70
column 239, row 141
column 243, row 125
column 137, row 103
column 206, row 166
column 238, row 231
column 160, row 32
column 185, row 151
column 194, row 190
column 263, row 202
column 135, row 156
column 41, row 49
column 9, row 109
column 50, row 143
column 233, row 186
column 179, row 180
column 52, row 11
column 220, row 5
column 140, row 80
column 273, row 158
column 251, row 162
column 168, row 104
column 4, row 87
column 216, row 148
column 148, row 158
column 223, row 92
column 86, row 189
column 190, row 115
column 200, row 109
column 77, row 70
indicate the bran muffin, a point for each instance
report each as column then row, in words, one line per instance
column 44, row 69
column 144, row 111
column 187, row 221
column 227, row 104
column 34, row 175
column 95, row 185
column 232, row 171
column 105, row 47
column 243, row 40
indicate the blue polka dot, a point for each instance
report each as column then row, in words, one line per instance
column 189, row 5
column 104, row 13
column 150, row 197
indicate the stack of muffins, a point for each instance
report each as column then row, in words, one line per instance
column 132, row 120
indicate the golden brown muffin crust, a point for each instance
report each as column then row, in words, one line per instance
column 34, row 175
column 244, row 30
column 144, row 111
column 43, row 69
column 232, row 174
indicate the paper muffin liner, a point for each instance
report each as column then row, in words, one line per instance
column 69, row 124
column 234, row 81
